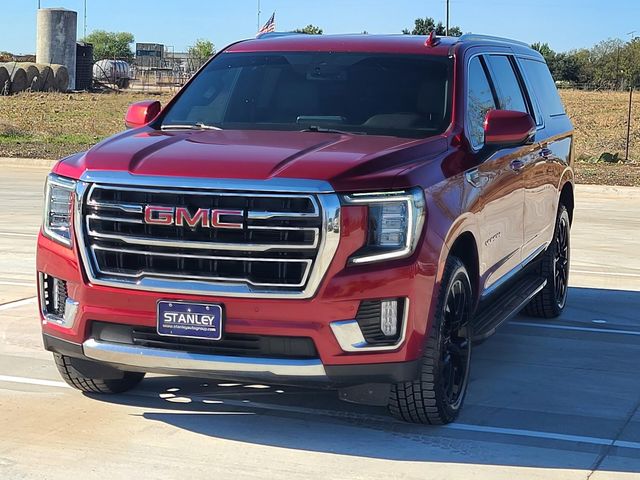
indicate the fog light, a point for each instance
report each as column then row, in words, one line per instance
column 389, row 317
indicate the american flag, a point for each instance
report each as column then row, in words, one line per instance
column 270, row 26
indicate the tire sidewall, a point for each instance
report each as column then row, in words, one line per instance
column 449, row 411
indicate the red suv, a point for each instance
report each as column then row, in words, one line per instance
column 321, row 210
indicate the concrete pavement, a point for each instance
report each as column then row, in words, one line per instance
column 554, row 399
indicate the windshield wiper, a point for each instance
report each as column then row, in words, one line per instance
column 194, row 126
column 316, row 128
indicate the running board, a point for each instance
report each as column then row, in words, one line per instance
column 508, row 302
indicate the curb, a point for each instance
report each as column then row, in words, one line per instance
column 26, row 162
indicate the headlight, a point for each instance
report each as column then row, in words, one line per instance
column 395, row 223
column 58, row 206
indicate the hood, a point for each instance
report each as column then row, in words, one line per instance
column 348, row 162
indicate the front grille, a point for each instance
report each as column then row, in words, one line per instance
column 231, row 344
column 275, row 250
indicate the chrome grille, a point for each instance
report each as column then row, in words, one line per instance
column 275, row 253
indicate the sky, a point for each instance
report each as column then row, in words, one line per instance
column 564, row 24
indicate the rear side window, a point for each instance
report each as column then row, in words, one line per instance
column 479, row 102
column 543, row 86
column 507, row 84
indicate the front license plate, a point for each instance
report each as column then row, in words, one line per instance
column 190, row 320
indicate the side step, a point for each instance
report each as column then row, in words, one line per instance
column 505, row 304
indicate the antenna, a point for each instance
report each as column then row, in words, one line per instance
column 432, row 41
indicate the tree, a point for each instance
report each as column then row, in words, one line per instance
column 310, row 30
column 424, row 26
column 545, row 50
column 201, row 51
column 109, row 45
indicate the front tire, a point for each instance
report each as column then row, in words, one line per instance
column 554, row 267
column 77, row 380
column 437, row 397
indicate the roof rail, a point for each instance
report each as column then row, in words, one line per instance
column 468, row 37
column 277, row 34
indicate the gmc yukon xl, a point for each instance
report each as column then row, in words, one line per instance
column 335, row 211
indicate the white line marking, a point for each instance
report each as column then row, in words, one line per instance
column 16, row 234
column 19, row 284
column 533, row 433
column 613, row 274
column 33, row 381
column 577, row 329
column 454, row 426
column 17, row 303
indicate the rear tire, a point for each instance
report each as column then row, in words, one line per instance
column 95, row 385
column 554, row 267
column 437, row 397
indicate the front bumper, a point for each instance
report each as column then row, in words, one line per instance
column 154, row 360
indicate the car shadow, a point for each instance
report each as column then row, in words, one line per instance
column 507, row 420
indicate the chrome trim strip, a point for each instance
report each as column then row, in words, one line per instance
column 125, row 207
column 143, row 273
column 255, row 215
column 329, row 240
column 350, row 337
column 283, row 185
column 217, row 193
column 113, row 219
column 173, row 361
column 511, row 273
column 156, row 242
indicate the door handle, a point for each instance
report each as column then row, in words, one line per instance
column 517, row 165
column 546, row 153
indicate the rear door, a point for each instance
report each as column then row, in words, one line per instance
column 542, row 174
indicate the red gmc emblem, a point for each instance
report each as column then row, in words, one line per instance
column 180, row 216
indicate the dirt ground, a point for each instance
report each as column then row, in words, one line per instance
column 53, row 125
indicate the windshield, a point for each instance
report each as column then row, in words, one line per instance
column 366, row 93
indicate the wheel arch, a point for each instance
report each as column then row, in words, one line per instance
column 465, row 248
column 567, row 199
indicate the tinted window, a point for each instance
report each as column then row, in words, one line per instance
column 380, row 94
column 543, row 86
column 479, row 101
column 507, row 85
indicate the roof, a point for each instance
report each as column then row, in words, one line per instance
column 396, row 43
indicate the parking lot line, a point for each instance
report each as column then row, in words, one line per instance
column 33, row 381
column 18, row 303
column 17, row 284
column 16, row 234
column 577, row 329
column 614, row 274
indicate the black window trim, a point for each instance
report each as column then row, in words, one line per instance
column 521, row 85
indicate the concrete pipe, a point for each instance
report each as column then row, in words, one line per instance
column 5, row 81
column 47, row 78
column 34, row 81
column 61, row 78
column 19, row 81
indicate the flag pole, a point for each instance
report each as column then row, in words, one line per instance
column 258, row 16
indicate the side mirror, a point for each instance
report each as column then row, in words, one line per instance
column 141, row 113
column 508, row 128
